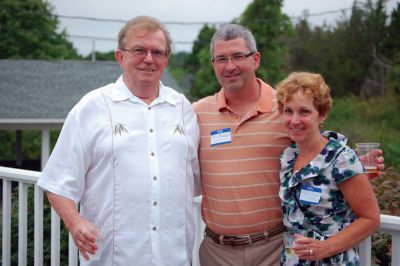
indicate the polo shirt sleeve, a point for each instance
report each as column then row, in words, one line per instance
column 64, row 173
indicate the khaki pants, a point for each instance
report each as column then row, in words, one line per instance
column 262, row 253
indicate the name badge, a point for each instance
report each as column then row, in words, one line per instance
column 221, row 136
column 310, row 195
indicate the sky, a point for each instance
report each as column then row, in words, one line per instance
column 183, row 18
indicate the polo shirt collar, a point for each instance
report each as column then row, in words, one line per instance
column 122, row 93
column 264, row 103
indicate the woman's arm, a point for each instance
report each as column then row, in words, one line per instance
column 359, row 195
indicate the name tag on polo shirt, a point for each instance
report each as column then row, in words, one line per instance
column 221, row 136
column 310, row 195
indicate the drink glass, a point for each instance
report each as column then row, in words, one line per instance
column 369, row 162
column 290, row 256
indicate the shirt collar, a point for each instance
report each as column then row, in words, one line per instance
column 122, row 93
column 335, row 144
column 264, row 103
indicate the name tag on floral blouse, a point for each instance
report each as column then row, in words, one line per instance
column 221, row 136
column 310, row 195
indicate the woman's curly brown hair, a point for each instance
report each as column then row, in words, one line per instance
column 308, row 83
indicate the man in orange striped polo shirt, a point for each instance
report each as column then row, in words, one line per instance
column 242, row 136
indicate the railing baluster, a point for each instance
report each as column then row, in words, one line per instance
column 365, row 251
column 396, row 248
column 38, row 221
column 72, row 252
column 55, row 238
column 22, row 223
column 6, row 248
column 389, row 224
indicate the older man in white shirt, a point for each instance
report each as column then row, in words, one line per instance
column 128, row 154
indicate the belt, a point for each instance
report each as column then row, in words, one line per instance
column 244, row 240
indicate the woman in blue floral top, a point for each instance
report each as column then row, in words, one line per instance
column 327, row 200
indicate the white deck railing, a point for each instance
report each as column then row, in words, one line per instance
column 389, row 225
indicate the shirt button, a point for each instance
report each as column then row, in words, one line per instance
column 149, row 108
column 154, row 203
column 154, row 178
column 152, row 153
column 151, row 130
column 154, row 228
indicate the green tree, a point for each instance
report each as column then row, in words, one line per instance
column 269, row 26
column 344, row 54
column 391, row 49
column 391, row 41
column 198, row 63
column 192, row 61
column 176, row 66
column 28, row 29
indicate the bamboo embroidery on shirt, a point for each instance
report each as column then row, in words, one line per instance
column 119, row 128
column 179, row 129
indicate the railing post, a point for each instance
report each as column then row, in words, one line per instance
column 38, row 221
column 22, row 223
column 55, row 238
column 396, row 248
column 365, row 252
column 6, row 242
column 72, row 252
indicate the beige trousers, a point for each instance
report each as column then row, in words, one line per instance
column 262, row 253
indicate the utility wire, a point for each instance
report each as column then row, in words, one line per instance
column 111, row 39
column 200, row 22
column 183, row 23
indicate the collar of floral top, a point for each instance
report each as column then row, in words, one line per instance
column 336, row 142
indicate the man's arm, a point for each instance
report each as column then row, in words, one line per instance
column 83, row 232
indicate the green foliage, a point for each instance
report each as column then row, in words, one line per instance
column 176, row 66
column 204, row 82
column 372, row 120
column 387, row 191
column 30, row 232
column 192, row 61
column 28, row 30
column 199, row 64
column 391, row 41
column 343, row 54
column 31, row 144
column 269, row 27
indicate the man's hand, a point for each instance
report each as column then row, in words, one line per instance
column 84, row 234
column 377, row 156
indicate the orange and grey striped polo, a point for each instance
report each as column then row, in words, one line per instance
column 239, row 160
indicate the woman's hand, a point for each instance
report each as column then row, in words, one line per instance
column 310, row 249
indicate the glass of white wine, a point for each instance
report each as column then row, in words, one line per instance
column 288, row 241
column 369, row 162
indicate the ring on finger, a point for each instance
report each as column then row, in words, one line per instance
column 310, row 251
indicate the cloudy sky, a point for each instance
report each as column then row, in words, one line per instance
column 183, row 18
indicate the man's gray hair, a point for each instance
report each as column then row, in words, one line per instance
column 233, row 31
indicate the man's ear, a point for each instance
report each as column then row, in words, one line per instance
column 119, row 56
column 257, row 59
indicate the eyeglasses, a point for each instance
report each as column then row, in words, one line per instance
column 236, row 58
column 141, row 52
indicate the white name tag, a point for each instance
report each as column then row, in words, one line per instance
column 221, row 136
column 310, row 195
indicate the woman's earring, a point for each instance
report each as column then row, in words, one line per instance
column 321, row 125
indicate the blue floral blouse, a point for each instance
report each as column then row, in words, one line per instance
column 327, row 213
